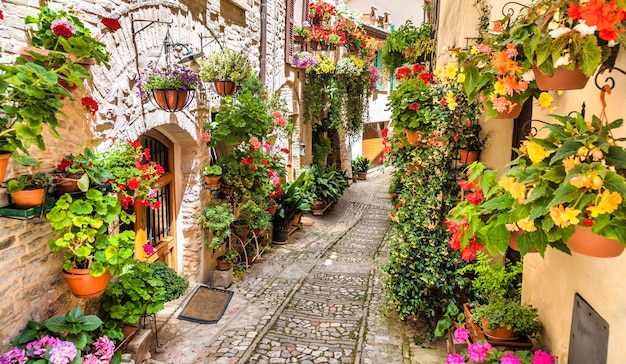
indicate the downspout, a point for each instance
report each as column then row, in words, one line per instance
column 263, row 40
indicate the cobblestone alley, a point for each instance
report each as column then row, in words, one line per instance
column 318, row 299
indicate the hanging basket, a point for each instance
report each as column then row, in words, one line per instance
column 172, row 100
column 563, row 79
column 225, row 87
column 586, row 242
column 414, row 137
column 512, row 113
column 468, row 156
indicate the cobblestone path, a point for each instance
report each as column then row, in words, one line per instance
column 318, row 299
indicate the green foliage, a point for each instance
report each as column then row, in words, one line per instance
column 81, row 166
column 82, row 226
column 522, row 319
column 296, row 198
column 217, row 219
column 225, row 65
column 214, row 170
column 321, row 149
column 137, row 292
column 452, row 315
column 328, row 184
column 494, row 279
column 362, row 164
column 35, row 181
column 174, row 284
column 403, row 38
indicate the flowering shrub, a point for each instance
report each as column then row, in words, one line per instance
column 321, row 10
column 349, row 67
column 304, row 60
column 178, row 78
column 133, row 173
column 62, row 31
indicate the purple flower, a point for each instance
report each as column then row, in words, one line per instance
column 13, row 356
column 455, row 359
column 304, row 60
column 40, row 346
column 541, row 357
column 510, row 358
column 63, row 353
column 104, row 348
column 148, row 249
column 460, row 335
column 477, row 351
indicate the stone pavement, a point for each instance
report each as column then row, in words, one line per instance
column 318, row 299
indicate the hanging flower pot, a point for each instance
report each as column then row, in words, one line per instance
column 212, row 182
column 586, row 242
column 84, row 285
column 468, row 156
column 512, row 113
column 413, row 137
column 563, row 79
column 172, row 100
column 225, row 87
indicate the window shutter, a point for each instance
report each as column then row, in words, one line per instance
column 289, row 31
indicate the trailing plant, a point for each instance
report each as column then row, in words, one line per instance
column 396, row 43
column 216, row 219
column 227, row 64
column 174, row 78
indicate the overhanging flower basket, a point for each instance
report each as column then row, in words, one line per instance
column 563, row 79
column 172, row 100
column 225, row 87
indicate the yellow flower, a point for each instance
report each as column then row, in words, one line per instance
column 516, row 189
column 536, row 152
column 357, row 62
column 461, row 78
column 499, row 88
column 609, row 201
column 474, row 51
column 451, row 71
column 438, row 71
column 570, row 162
column 545, row 100
column 526, row 224
column 451, row 100
column 564, row 216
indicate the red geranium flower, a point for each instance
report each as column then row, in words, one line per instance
column 134, row 183
column 90, row 104
column 62, row 28
column 156, row 205
column 111, row 24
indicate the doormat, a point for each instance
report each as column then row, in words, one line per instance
column 206, row 305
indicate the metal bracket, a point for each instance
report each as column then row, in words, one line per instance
column 508, row 9
column 610, row 81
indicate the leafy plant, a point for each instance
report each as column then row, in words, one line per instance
column 522, row 319
column 396, row 43
column 227, row 64
column 175, row 78
column 69, row 338
column 295, row 199
column 217, row 220
column 362, row 164
column 82, row 226
column 214, row 170
column 494, row 279
column 136, row 292
column 35, row 181
column 175, row 285
column 81, row 167
column 328, row 184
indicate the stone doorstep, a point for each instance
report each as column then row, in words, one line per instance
column 139, row 345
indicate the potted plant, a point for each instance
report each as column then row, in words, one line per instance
column 362, row 166
column 483, row 352
column 469, row 141
column 172, row 89
column 226, row 70
column 216, row 220
column 507, row 319
column 28, row 190
column 68, row 339
column 295, row 199
column 212, row 175
column 567, row 39
column 91, row 255
column 396, row 44
column 77, row 172
column 230, row 257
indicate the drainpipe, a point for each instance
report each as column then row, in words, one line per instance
column 263, row 50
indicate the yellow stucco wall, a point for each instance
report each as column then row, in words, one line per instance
column 550, row 283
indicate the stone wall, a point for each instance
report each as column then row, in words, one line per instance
column 30, row 284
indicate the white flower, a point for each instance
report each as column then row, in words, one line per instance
column 559, row 31
column 528, row 76
column 562, row 61
column 612, row 43
column 584, row 29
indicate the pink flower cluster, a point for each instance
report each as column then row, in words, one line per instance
column 55, row 350
column 278, row 118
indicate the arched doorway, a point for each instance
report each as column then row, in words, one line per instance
column 157, row 226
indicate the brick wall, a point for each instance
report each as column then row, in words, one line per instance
column 31, row 287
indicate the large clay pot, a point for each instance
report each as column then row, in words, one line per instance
column 413, row 137
column 586, row 242
column 4, row 162
column 27, row 199
column 563, row 79
column 170, row 99
column 468, row 156
column 362, row 175
column 224, row 87
column 66, row 185
column 84, row 285
column 501, row 332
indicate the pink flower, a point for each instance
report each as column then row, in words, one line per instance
column 460, row 335
column 205, row 137
column 541, row 357
column 510, row 358
column 282, row 121
column 255, row 142
column 477, row 352
column 148, row 249
column 267, row 146
column 455, row 359
column 277, row 114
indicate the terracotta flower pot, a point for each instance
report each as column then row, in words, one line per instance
column 27, row 199
column 513, row 242
column 413, row 137
column 362, row 175
column 511, row 113
column 84, row 285
column 501, row 332
column 272, row 209
column 66, row 185
column 241, row 231
column 224, row 87
column 468, row 156
column 4, row 162
column 222, row 264
column 212, row 182
column 586, row 242
column 563, row 79
column 171, row 100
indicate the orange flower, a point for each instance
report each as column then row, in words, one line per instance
column 505, row 65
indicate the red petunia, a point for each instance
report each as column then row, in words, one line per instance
column 403, row 72
column 417, row 68
column 588, row 222
column 134, row 183
column 426, row 77
column 110, row 23
column 90, row 104
column 468, row 254
column 264, row 162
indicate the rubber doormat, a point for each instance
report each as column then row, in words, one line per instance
column 206, row 305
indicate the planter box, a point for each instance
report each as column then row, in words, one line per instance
column 476, row 334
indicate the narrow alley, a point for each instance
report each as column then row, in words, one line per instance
column 318, row 299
